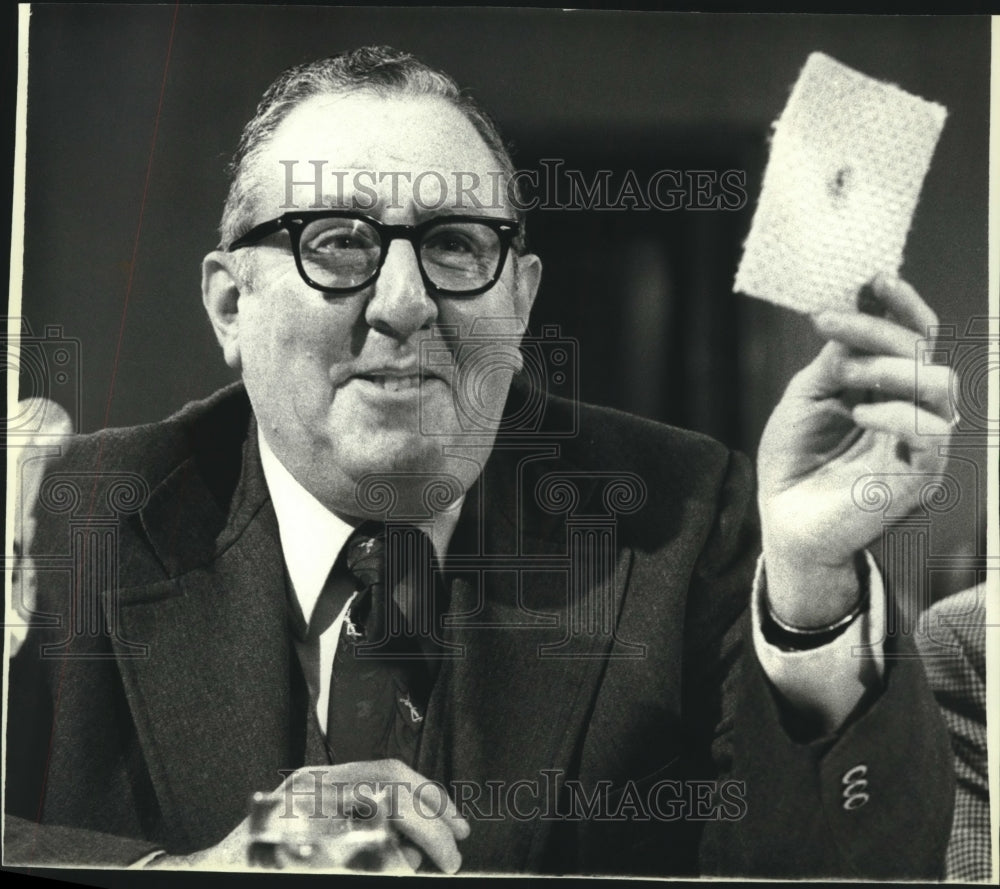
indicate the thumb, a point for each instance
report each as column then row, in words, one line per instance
column 47, row 427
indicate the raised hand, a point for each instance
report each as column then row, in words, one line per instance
column 866, row 405
column 33, row 455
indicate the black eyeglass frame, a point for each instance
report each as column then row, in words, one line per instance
column 295, row 223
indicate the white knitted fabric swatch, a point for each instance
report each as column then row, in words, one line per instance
column 848, row 157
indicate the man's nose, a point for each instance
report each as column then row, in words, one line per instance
column 400, row 304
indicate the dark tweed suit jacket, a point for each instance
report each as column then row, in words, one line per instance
column 953, row 647
column 112, row 755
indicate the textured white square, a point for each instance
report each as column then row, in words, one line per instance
column 848, row 158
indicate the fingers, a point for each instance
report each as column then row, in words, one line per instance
column 52, row 426
column 24, row 589
column 435, row 798
column 881, row 355
column 45, row 416
column 412, row 855
column 919, row 428
column 820, row 378
column 899, row 378
column 907, row 314
column 904, row 303
column 429, row 831
column 419, row 810
column 867, row 334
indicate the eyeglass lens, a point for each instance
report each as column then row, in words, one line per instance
column 344, row 252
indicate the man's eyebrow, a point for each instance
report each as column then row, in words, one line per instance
column 420, row 213
column 347, row 201
column 466, row 208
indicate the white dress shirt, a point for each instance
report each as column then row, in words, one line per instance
column 312, row 538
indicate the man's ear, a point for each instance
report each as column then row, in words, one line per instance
column 220, row 292
column 529, row 276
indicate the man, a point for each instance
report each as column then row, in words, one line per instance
column 953, row 648
column 629, row 703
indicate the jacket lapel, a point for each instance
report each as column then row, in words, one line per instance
column 210, row 700
column 513, row 706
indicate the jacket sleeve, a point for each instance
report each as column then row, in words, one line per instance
column 31, row 838
column 61, row 777
column 29, row 844
column 873, row 801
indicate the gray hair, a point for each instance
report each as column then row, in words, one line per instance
column 379, row 69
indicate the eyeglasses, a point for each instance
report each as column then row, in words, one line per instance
column 343, row 251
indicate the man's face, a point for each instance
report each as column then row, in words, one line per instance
column 335, row 380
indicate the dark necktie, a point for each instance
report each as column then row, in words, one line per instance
column 381, row 676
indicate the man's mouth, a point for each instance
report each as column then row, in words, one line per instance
column 391, row 382
column 398, row 379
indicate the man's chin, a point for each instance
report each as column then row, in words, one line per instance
column 383, row 452
column 403, row 480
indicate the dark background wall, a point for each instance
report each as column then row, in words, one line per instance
column 124, row 190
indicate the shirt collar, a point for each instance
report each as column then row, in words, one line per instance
column 312, row 536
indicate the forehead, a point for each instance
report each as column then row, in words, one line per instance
column 384, row 134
